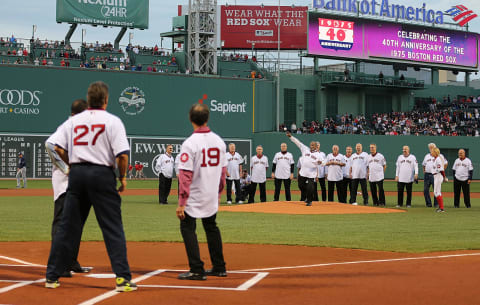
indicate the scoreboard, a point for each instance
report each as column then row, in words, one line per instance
column 351, row 38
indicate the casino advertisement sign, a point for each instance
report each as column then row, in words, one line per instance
column 351, row 38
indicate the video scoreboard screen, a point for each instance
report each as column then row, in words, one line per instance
column 377, row 41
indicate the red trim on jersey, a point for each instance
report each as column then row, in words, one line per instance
column 203, row 129
column 95, row 109
column 185, row 180
column 184, row 157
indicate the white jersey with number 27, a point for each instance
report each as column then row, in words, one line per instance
column 204, row 154
column 93, row 136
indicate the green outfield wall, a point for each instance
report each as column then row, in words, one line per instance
column 389, row 146
column 37, row 100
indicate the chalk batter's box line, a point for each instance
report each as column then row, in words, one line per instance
column 243, row 287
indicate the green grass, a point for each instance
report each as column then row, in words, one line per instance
column 418, row 230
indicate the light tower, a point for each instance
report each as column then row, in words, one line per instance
column 202, row 36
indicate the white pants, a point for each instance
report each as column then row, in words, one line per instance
column 22, row 173
column 437, row 185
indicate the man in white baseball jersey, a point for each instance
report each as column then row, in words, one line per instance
column 439, row 177
column 321, row 176
column 309, row 166
column 93, row 142
column 376, row 166
column 203, row 167
column 462, row 173
column 428, row 179
column 282, row 171
column 59, row 183
column 234, row 169
column 258, row 168
column 347, row 178
column 358, row 172
column 165, row 165
column 334, row 172
column 405, row 174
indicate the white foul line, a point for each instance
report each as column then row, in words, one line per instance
column 20, row 261
column 113, row 292
column 25, row 283
column 365, row 262
column 188, row 287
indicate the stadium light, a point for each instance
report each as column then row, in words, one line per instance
column 84, row 33
column 34, row 30
column 130, row 37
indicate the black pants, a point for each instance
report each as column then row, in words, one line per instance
column 378, row 199
column 57, row 216
column 340, row 190
column 301, row 185
column 353, row 193
column 229, row 189
column 89, row 185
column 347, row 186
column 308, row 186
column 253, row 189
column 427, row 181
column 214, row 239
column 461, row 185
column 164, row 186
column 244, row 192
column 278, row 186
column 323, row 187
column 400, row 187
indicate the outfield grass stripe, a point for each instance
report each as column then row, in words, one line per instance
column 365, row 262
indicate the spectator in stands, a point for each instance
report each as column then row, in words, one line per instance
column 122, row 66
column 36, row 62
column 346, row 75
column 25, row 52
column 62, row 63
column 380, row 77
column 139, row 67
column 50, row 62
column 44, row 62
column 13, row 40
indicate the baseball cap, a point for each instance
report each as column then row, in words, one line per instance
column 20, row 153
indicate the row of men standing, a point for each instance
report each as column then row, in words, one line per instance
column 345, row 173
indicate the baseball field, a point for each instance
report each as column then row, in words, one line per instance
column 276, row 253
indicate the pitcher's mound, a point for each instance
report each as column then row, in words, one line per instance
column 299, row 208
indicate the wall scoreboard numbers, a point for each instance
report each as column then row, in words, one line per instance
column 33, row 149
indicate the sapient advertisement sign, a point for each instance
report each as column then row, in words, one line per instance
column 122, row 13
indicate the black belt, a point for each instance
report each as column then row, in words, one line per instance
column 90, row 164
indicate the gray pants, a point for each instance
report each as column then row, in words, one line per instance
column 23, row 174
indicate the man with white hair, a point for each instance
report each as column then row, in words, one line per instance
column 358, row 172
column 234, row 169
column 258, row 169
column 321, row 176
column 428, row 171
column 376, row 174
column 333, row 166
column 406, row 173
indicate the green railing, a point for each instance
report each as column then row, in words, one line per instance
column 329, row 77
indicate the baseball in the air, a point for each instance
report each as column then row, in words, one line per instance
column 285, row 128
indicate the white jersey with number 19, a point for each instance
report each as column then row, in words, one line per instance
column 204, row 154
column 93, row 136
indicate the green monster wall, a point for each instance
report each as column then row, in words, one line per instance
column 37, row 100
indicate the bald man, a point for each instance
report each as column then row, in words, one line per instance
column 406, row 173
column 462, row 177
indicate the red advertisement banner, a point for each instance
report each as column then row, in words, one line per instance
column 247, row 27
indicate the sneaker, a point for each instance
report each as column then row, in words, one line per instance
column 409, row 206
column 399, row 206
column 124, row 285
column 240, row 202
column 52, row 284
column 440, row 211
column 229, row 202
column 192, row 276
column 309, row 204
column 82, row 269
column 354, row 203
column 211, row 272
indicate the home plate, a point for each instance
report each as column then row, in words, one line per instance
column 101, row 275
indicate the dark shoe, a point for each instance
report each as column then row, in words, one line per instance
column 436, row 206
column 52, row 284
column 82, row 269
column 192, row 276
column 66, row 274
column 123, row 285
column 429, row 205
column 211, row 272
column 309, row 204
